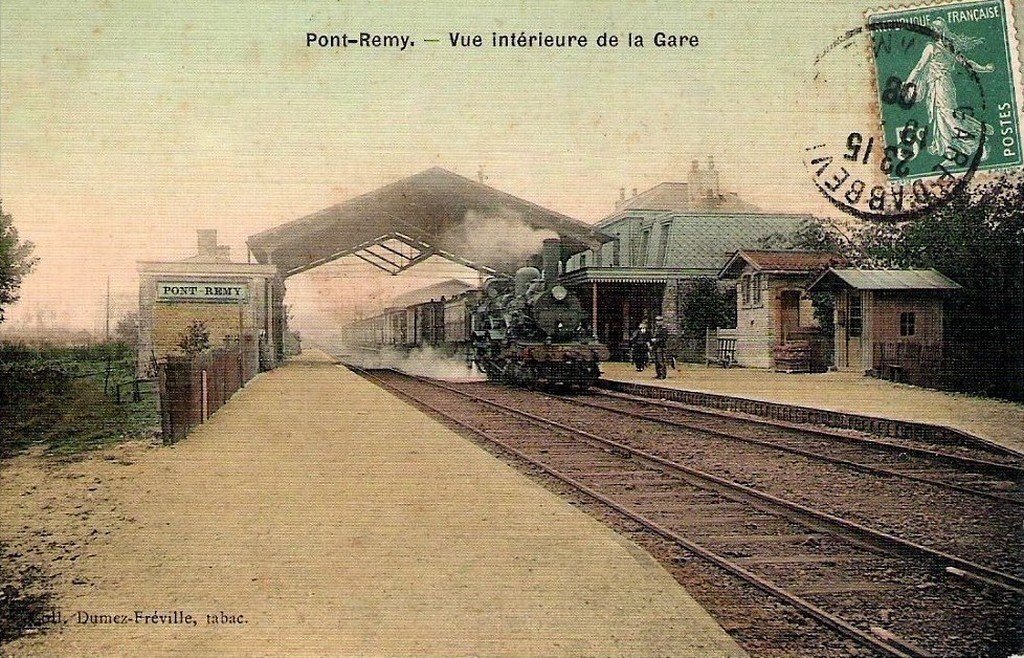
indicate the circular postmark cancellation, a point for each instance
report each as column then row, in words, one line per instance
column 945, row 106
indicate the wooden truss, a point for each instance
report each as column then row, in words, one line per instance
column 394, row 253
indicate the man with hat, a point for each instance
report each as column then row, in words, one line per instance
column 659, row 348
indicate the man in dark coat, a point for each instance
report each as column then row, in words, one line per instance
column 659, row 348
column 640, row 344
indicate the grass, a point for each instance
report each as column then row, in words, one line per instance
column 82, row 416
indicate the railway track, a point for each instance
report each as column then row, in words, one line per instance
column 984, row 530
column 893, row 596
column 972, row 474
column 973, row 471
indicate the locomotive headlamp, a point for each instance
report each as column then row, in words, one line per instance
column 559, row 292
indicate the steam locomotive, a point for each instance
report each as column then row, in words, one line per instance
column 525, row 329
column 532, row 332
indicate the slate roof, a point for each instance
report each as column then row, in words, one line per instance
column 700, row 241
column 929, row 279
column 791, row 261
column 676, row 197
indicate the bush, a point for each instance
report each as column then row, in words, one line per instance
column 195, row 339
column 28, row 383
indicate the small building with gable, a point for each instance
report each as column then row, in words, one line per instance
column 234, row 301
column 772, row 305
column 875, row 308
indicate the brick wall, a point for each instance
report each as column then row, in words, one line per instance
column 170, row 319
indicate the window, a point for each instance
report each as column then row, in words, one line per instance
column 755, row 284
column 745, row 286
column 663, row 243
column 583, row 260
column 615, row 251
column 645, row 241
column 855, row 317
column 907, row 322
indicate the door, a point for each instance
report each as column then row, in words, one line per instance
column 789, row 314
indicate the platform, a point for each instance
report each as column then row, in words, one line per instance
column 341, row 521
column 848, row 392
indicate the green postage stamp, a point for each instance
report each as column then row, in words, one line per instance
column 949, row 87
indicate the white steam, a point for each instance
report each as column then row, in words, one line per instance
column 504, row 238
column 420, row 361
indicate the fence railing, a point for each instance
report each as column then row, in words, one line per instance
column 923, row 364
column 192, row 388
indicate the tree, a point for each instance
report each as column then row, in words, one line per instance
column 704, row 306
column 127, row 330
column 16, row 260
column 978, row 241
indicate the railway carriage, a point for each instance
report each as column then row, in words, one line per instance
column 458, row 319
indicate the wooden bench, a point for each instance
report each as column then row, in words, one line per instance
column 725, row 355
column 894, row 370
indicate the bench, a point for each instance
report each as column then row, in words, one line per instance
column 725, row 354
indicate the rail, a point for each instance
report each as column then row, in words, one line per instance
column 857, row 534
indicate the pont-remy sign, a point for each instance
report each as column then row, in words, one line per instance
column 201, row 291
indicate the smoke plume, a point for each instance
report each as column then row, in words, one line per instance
column 504, row 239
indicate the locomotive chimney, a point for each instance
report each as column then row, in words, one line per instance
column 551, row 255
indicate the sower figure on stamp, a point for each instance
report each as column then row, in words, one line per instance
column 952, row 131
column 640, row 344
column 659, row 348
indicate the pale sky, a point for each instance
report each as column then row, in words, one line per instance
column 125, row 126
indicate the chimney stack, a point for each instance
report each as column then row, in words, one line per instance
column 208, row 249
column 207, row 242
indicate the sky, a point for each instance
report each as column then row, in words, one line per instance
column 126, row 126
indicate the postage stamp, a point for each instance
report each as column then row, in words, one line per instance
column 943, row 88
column 949, row 87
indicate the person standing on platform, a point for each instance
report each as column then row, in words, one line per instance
column 640, row 345
column 659, row 348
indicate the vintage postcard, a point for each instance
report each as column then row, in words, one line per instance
column 536, row 329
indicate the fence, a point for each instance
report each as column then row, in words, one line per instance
column 193, row 388
column 934, row 365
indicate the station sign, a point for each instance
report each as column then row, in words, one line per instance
column 202, row 291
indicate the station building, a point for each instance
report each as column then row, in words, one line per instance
column 664, row 238
column 239, row 304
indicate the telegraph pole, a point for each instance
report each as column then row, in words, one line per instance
column 106, row 323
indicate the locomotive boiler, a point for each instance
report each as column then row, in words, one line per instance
column 530, row 331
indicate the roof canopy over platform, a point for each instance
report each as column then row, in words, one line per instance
column 406, row 222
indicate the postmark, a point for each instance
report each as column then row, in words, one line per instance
column 946, row 105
